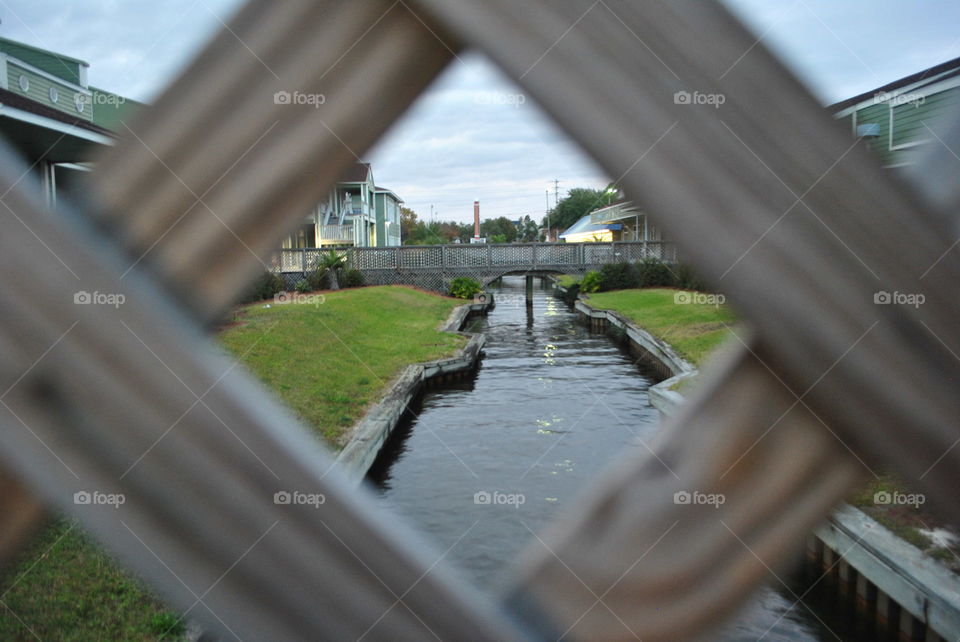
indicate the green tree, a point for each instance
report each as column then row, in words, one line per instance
column 408, row 222
column 579, row 202
column 529, row 230
column 501, row 228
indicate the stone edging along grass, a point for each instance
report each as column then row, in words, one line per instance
column 372, row 430
column 924, row 590
column 660, row 353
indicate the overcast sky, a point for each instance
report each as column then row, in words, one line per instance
column 470, row 136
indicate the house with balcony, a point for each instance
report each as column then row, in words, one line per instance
column 355, row 213
column 898, row 119
column 51, row 116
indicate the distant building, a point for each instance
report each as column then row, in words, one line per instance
column 387, row 207
column 585, row 231
column 896, row 119
column 52, row 116
column 636, row 225
column 355, row 213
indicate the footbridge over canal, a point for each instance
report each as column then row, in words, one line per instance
column 433, row 267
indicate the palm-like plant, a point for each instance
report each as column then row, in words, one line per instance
column 330, row 263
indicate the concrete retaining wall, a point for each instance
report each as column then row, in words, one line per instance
column 372, row 431
column 905, row 590
column 656, row 352
column 908, row 593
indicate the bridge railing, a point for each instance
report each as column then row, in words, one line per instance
column 470, row 256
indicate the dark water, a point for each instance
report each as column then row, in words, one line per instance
column 549, row 407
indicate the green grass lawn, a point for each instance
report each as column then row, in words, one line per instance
column 694, row 330
column 328, row 362
column 64, row 587
column 566, row 280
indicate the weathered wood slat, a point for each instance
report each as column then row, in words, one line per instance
column 633, row 562
column 130, row 400
column 216, row 172
column 712, row 177
column 766, row 191
column 802, row 226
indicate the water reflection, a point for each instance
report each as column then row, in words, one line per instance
column 550, row 406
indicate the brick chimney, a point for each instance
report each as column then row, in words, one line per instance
column 476, row 219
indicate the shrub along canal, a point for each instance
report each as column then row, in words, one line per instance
column 490, row 460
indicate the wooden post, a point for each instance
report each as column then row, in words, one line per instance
column 866, row 595
column 888, row 613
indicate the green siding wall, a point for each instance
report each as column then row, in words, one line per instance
column 908, row 123
column 110, row 111
column 39, row 90
column 59, row 66
column 880, row 114
column 909, row 118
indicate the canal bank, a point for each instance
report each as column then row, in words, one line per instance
column 893, row 589
column 488, row 460
column 369, row 434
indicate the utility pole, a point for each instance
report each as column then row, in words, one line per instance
column 556, row 191
column 547, row 195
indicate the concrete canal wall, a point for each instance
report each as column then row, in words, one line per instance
column 909, row 595
column 372, row 431
column 658, row 354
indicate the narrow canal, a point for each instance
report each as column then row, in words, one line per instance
column 550, row 406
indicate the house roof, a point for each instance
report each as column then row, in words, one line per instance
column 387, row 190
column 63, row 67
column 585, row 226
column 944, row 70
column 356, row 173
column 622, row 208
column 23, row 45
